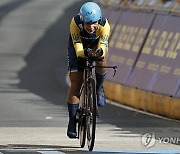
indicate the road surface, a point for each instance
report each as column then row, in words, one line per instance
column 33, row 110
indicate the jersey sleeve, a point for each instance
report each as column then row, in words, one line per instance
column 104, row 36
column 75, row 35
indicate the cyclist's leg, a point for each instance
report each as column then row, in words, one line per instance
column 101, row 70
column 100, row 77
column 76, row 79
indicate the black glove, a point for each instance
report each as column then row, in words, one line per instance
column 94, row 54
column 88, row 52
column 99, row 52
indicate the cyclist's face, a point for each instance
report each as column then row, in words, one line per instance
column 91, row 27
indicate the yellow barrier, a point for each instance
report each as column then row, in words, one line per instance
column 144, row 100
column 146, row 54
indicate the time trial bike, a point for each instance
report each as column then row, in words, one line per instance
column 88, row 109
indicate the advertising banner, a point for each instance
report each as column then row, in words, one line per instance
column 158, row 67
column 126, row 43
column 112, row 16
column 178, row 94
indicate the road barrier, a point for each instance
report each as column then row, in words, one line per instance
column 126, row 43
column 178, row 94
column 112, row 15
column 146, row 48
column 159, row 59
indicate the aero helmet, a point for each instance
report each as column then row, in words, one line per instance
column 90, row 12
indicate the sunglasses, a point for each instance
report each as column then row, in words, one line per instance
column 90, row 23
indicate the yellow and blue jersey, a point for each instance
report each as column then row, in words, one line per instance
column 81, row 39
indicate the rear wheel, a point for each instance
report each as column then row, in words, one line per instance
column 91, row 115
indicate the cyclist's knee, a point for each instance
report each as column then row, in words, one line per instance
column 73, row 95
column 101, row 63
column 101, row 70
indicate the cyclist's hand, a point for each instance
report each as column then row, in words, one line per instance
column 88, row 52
column 99, row 52
column 96, row 53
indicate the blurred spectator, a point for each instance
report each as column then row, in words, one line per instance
column 167, row 3
column 129, row 2
column 164, row 1
column 139, row 2
column 177, row 7
column 152, row 3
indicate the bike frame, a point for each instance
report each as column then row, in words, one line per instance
column 86, row 115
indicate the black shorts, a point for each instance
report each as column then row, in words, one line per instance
column 73, row 61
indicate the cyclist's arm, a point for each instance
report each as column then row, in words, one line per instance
column 104, row 35
column 75, row 34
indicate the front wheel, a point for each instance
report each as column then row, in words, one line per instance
column 82, row 129
column 91, row 115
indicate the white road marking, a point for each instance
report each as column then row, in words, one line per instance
column 50, row 152
column 49, row 118
column 42, row 151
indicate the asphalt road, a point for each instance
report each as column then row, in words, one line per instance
column 33, row 111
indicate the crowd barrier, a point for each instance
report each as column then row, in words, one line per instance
column 145, row 46
column 178, row 94
column 168, row 6
column 159, row 59
column 126, row 42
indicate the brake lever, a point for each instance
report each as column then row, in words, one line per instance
column 115, row 70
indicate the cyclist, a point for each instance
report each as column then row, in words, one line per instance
column 89, row 32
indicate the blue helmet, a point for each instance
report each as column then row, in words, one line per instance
column 90, row 12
